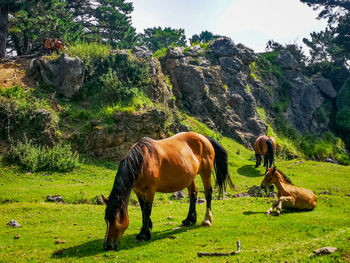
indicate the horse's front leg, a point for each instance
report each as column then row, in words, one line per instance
column 146, row 208
column 274, row 204
column 283, row 199
column 191, row 218
column 258, row 160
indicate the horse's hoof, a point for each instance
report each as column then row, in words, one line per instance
column 143, row 237
column 267, row 213
column 188, row 223
column 206, row 223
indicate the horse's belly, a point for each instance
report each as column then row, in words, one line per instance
column 170, row 184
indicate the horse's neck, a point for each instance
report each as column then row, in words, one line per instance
column 281, row 183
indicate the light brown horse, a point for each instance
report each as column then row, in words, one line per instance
column 264, row 146
column 165, row 166
column 289, row 195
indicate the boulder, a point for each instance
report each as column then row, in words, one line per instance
column 286, row 60
column 195, row 51
column 245, row 54
column 65, row 74
column 141, row 52
column 224, row 47
column 175, row 52
column 325, row 85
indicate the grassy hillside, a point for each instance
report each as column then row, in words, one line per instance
column 292, row 236
column 79, row 223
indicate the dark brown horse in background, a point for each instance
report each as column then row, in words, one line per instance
column 165, row 166
column 265, row 146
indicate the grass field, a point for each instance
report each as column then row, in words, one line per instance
column 79, row 224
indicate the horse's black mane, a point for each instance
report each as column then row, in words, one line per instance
column 128, row 171
column 285, row 177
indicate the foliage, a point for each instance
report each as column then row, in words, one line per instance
column 197, row 126
column 337, row 73
column 22, row 111
column 160, row 53
column 91, row 53
column 203, row 37
column 294, row 49
column 330, row 9
column 105, row 20
column 342, row 35
column 30, row 26
column 42, row 158
column 322, row 46
column 158, row 38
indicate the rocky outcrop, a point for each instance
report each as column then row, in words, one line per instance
column 306, row 97
column 113, row 142
column 19, row 123
column 286, row 60
column 325, row 86
column 214, row 87
column 65, row 74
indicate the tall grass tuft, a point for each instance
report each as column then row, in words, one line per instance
column 42, row 158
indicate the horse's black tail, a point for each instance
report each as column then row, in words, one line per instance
column 270, row 152
column 222, row 177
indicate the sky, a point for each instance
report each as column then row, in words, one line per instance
column 250, row 22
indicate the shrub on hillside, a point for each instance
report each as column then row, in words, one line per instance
column 42, row 158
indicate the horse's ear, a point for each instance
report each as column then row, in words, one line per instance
column 105, row 200
column 274, row 169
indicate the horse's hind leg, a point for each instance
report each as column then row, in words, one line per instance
column 208, row 191
column 191, row 218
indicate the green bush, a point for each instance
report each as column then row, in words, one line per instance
column 90, row 53
column 160, row 53
column 42, row 158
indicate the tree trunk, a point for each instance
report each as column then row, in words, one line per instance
column 4, row 9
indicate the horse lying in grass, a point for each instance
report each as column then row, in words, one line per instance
column 264, row 146
column 165, row 166
column 289, row 195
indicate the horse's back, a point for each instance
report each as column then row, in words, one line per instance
column 260, row 144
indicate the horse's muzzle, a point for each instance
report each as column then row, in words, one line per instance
column 111, row 245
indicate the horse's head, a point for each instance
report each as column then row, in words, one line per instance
column 117, row 222
column 268, row 179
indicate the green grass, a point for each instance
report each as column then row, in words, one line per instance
column 292, row 236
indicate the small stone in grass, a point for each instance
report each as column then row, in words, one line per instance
column 58, row 252
column 324, row 250
column 13, row 223
column 60, row 241
column 17, row 236
column 55, row 198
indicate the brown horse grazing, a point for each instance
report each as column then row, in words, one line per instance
column 165, row 166
column 264, row 146
column 289, row 195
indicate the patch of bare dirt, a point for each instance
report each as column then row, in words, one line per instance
column 13, row 73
